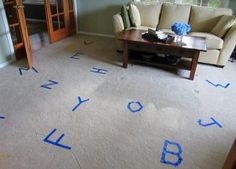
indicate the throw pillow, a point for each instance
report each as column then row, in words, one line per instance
column 223, row 25
column 134, row 15
column 125, row 17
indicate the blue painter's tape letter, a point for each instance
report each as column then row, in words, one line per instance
column 213, row 122
column 57, row 142
column 137, row 106
column 75, row 56
column 219, row 85
column 35, row 69
column 21, row 69
column 98, row 70
column 80, row 101
column 1, row 117
column 51, row 83
column 176, row 154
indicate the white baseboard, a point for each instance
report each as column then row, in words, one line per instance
column 96, row 34
column 7, row 63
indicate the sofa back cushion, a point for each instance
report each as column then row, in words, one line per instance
column 172, row 13
column 134, row 15
column 149, row 13
column 203, row 19
column 223, row 25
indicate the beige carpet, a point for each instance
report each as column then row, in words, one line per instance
column 102, row 132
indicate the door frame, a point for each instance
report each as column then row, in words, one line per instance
column 8, row 37
column 76, row 3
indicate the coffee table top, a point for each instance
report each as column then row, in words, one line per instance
column 188, row 42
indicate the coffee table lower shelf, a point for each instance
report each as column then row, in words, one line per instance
column 189, row 47
column 158, row 61
column 193, row 55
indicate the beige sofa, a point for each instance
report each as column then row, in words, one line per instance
column 201, row 19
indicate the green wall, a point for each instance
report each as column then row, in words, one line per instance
column 95, row 16
column 232, row 4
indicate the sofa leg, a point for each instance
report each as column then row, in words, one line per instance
column 219, row 66
column 231, row 60
column 119, row 51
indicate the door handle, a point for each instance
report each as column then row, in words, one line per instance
column 18, row 6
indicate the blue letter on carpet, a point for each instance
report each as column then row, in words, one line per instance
column 176, row 154
column 99, row 71
column 79, row 103
column 134, row 110
column 26, row 69
column 214, row 122
column 219, row 85
column 1, row 117
column 22, row 68
column 75, row 56
column 56, row 143
column 34, row 69
column 51, row 83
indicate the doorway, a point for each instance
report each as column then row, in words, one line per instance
column 36, row 23
column 60, row 19
column 49, row 21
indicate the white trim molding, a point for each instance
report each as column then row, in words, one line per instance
column 96, row 34
column 76, row 15
column 7, row 62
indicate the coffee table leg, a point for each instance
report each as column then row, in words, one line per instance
column 194, row 64
column 125, row 55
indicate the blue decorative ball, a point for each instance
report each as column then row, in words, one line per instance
column 180, row 28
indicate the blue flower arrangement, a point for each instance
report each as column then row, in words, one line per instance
column 180, row 28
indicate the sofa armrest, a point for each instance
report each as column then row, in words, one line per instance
column 228, row 47
column 118, row 23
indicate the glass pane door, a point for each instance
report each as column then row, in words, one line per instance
column 14, row 24
column 57, row 14
column 6, row 48
column 60, row 18
column 16, row 19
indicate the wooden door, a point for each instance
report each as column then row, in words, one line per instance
column 230, row 162
column 71, row 13
column 60, row 19
column 17, row 24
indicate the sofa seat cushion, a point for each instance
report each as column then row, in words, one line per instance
column 210, row 57
column 167, row 30
column 140, row 28
column 212, row 41
column 203, row 19
column 149, row 13
column 146, row 28
column 172, row 13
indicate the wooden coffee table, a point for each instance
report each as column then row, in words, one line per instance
column 190, row 47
